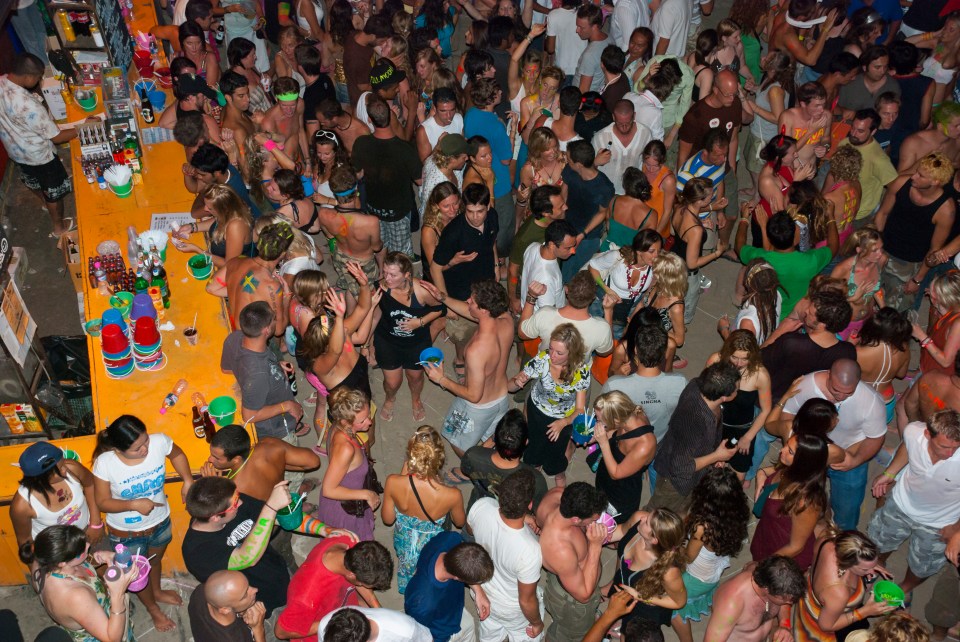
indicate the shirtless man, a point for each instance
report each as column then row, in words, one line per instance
column 571, row 541
column 248, row 280
column 742, row 605
column 785, row 35
column 944, row 137
column 330, row 115
column 482, row 400
column 809, row 122
column 191, row 93
column 237, row 94
column 932, row 392
column 356, row 235
column 285, row 118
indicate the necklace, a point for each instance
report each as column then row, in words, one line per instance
column 236, row 472
column 766, row 602
column 349, row 122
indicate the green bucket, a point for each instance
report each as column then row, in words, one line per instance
column 122, row 191
column 222, row 410
column 889, row 592
column 87, row 99
column 200, row 267
column 291, row 516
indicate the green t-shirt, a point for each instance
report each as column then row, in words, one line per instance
column 795, row 270
column 876, row 172
column 528, row 233
column 751, row 53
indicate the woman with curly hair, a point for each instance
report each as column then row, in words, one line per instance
column 441, row 207
column 716, row 528
column 898, row 627
column 810, row 213
column 626, row 446
column 651, row 560
column 884, row 353
column 629, row 212
column 790, row 499
column 562, row 376
column 544, row 166
column 667, row 298
column 416, row 503
column 751, row 15
column 861, row 271
column 843, row 195
column 760, row 302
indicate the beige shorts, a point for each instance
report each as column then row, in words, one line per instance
column 460, row 330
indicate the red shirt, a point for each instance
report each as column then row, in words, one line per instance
column 314, row 591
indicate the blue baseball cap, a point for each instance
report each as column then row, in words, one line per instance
column 39, row 458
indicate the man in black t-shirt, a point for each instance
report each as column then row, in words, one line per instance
column 225, row 609
column 319, row 86
column 231, row 531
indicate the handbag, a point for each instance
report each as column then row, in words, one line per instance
column 358, row 507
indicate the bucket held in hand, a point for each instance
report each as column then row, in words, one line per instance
column 291, row 516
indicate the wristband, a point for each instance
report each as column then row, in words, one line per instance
column 856, row 615
column 887, row 473
column 269, row 145
column 914, row 281
column 926, row 342
column 97, row 527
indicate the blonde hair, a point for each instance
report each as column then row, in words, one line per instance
column 947, row 288
column 671, row 274
column 301, row 245
column 727, row 28
column 568, row 335
column 669, row 530
column 554, row 73
column 226, row 206
column 289, row 32
column 846, row 163
column 309, row 288
column 899, row 627
column 862, row 241
column 853, row 547
column 938, row 166
column 265, row 221
column 345, row 404
column 615, row 409
column 425, row 454
column 540, row 140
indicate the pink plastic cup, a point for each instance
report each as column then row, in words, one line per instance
column 143, row 577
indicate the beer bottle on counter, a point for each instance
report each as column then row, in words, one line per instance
column 197, row 421
column 146, row 107
column 209, row 428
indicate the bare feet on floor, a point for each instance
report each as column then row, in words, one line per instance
column 161, row 622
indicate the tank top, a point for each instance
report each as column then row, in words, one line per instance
column 807, row 611
column 910, row 227
column 708, row 566
column 623, row 493
column 515, row 102
column 219, row 248
column 88, row 577
column 625, row 575
column 392, row 312
column 760, row 128
column 75, row 513
column 433, row 130
column 680, row 245
column 657, row 197
column 939, row 335
column 318, row 10
column 739, row 412
column 619, row 234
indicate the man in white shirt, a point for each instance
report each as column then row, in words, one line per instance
column 648, row 105
column 620, row 144
column 627, row 16
column 860, row 431
column 562, row 39
column 516, row 604
column 670, row 26
column 382, row 625
column 445, row 120
column 925, row 503
column 541, row 282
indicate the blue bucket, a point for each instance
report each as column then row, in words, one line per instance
column 431, row 355
column 158, row 99
column 582, row 430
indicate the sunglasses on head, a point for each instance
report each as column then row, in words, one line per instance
column 323, row 134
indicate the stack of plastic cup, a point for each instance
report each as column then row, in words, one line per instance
column 117, row 356
column 147, row 351
column 110, row 315
column 142, row 307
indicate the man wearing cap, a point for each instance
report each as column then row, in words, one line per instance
column 71, row 502
column 453, row 149
column 445, row 120
column 390, row 167
column 286, row 119
column 191, row 93
column 385, row 79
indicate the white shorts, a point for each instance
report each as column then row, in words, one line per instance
column 509, row 623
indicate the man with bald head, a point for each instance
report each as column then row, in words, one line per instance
column 620, row 144
column 860, row 431
column 225, row 609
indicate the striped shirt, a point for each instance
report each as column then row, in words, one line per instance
column 697, row 167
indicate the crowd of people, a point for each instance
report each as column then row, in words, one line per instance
column 541, row 184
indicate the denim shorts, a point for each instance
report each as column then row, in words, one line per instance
column 160, row 537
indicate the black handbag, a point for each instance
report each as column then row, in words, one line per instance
column 358, row 507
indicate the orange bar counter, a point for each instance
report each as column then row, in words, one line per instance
column 101, row 216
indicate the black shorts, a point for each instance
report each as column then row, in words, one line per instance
column 50, row 179
column 392, row 355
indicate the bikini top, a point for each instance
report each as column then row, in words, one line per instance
column 296, row 217
column 852, row 285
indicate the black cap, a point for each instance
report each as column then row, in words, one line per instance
column 385, row 74
column 191, row 84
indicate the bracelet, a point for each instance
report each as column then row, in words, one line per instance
column 112, row 612
column 97, row 527
column 926, row 342
column 421, row 322
column 887, row 473
column 856, row 615
column 914, row 281
column 532, row 300
column 194, row 227
column 781, row 404
column 271, row 507
column 269, row 145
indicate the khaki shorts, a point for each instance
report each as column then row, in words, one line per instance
column 460, row 330
column 751, row 153
column 571, row 619
column 345, row 280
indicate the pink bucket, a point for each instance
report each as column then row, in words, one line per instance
column 143, row 566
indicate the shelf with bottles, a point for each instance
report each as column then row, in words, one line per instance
column 76, row 26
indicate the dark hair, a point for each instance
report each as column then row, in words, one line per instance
column 887, row 325
column 510, row 435
column 500, row 30
column 904, row 57
column 26, row 64
column 515, row 493
column 570, row 101
column 540, row 202
column 190, row 29
column 378, row 26
column 233, row 440
column 274, row 241
column 781, row 576
column 781, row 230
column 53, row 546
column 341, row 20
column 434, row 15
column 347, row 625
column 803, row 483
column 871, row 114
column 483, row 92
column 289, row 183
column 707, row 42
column 590, row 13
column 776, row 148
column 255, row 317
column 581, row 151
column 832, row 309
column 444, row 95
column 230, row 82
column 718, row 380
column 661, row 85
column 640, row 629
column 419, row 39
column 582, row 500
column 329, row 108
column 237, row 50
column 469, row 562
column 341, row 157
column 612, row 58
column 489, row 295
column 873, row 52
column 636, row 184
column 210, row 159
column 308, row 57
column 198, row 9
column 655, row 149
column 843, row 63
column 371, row 563
column 557, row 231
column 815, row 417
column 714, row 138
column 119, row 435
column 581, row 290
column 476, row 62
column 476, row 194
column 810, row 91
column 208, row 496
column 719, row 505
column 190, row 129
column 178, row 66
column 646, row 339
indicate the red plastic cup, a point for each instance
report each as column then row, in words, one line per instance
column 145, row 332
column 113, row 340
column 144, row 63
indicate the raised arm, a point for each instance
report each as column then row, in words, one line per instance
column 249, row 552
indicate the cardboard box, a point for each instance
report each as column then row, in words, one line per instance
column 72, row 259
column 17, row 269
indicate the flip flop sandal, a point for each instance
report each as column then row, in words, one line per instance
column 303, row 430
column 385, row 414
column 679, row 362
column 419, row 414
column 71, row 226
column 451, row 476
column 319, row 450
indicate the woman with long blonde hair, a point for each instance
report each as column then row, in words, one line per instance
column 230, row 226
column 442, row 206
column 562, row 375
column 666, row 297
column 651, row 559
column 861, row 271
column 445, row 164
column 416, row 503
column 544, row 166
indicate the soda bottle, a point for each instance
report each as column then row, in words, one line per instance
column 161, row 280
column 173, row 396
column 199, row 401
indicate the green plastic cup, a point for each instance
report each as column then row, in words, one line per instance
column 291, row 516
column 889, row 592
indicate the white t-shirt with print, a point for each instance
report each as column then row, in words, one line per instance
column 516, row 556
column 862, row 415
column 536, row 268
column 927, row 492
column 394, row 626
column 142, row 481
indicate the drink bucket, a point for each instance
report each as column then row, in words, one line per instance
column 87, row 99
column 582, row 430
column 120, row 302
column 92, row 327
column 143, row 566
column 222, row 410
column 200, row 267
column 291, row 516
column 889, row 592
column 122, row 191
column 432, row 355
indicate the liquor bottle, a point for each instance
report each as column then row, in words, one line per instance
column 91, row 274
column 159, row 280
column 146, row 107
column 68, row 33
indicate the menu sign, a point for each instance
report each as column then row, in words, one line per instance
column 115, row 32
